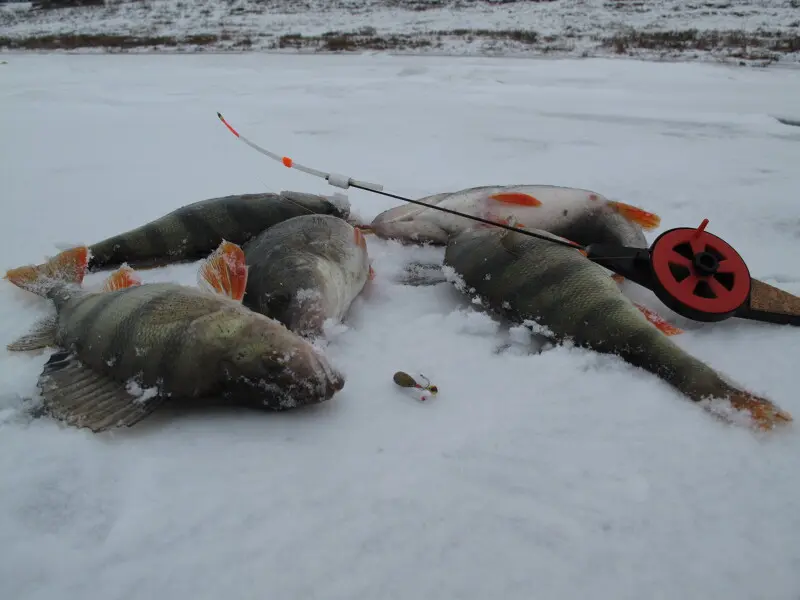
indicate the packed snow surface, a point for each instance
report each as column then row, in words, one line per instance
column 555, row 475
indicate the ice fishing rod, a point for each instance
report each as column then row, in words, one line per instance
column 692, row 271
column 344, row 182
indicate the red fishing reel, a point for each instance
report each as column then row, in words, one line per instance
column 699, row 275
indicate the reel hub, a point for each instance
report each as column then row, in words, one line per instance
column 699, row 275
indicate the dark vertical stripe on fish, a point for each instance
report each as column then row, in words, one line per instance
column 248, row 218
column 157, row 242
column 103, row 330
column 587, row 227
column 113, row 251
column 83, row 328
column 202, row 234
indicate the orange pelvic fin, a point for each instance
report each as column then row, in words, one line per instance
column 68, row 266
column 122, row 278
column 225, row 271
column 516, row 198
column 358, row 237
column 661, row 324
column 365, row 229
column 634, row 214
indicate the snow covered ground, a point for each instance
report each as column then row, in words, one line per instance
column 560, row 475
column 758, row 31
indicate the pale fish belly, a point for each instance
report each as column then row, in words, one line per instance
column 343, row 282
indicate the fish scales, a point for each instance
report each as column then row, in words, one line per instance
column 140, row 332
column 545, row 286
column 168, row 333
column 154, row 337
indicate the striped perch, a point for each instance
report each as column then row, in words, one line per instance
column 305, row 271
column 525, row 278
column 194, row 231
column 128, row 348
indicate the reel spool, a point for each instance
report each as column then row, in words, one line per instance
column 699, row 275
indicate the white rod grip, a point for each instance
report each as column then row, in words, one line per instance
column 340, row 181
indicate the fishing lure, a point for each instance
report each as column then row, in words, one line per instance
column 405, row 380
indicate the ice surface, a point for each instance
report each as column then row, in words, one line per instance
column 558, row 475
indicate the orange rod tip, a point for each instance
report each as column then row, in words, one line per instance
column 224, row 122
